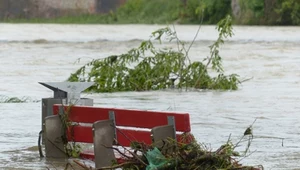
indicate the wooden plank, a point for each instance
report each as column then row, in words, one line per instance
column 90, row 155
column 129, row 118
column 182, row 138
column 124, row 136
column 87, row 154
column 80, row 134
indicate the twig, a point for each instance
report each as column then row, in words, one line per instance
column 186, row 50
column 53, row 165
column 116, row 149
column 81, row 165
column 136, row 156
column 67, row 166
column 121, row 133
column 56, row 146
column 242, row 81
column 253, row 122
column 199, row 28
column 116, row 166
column 133, row 154
column 245, row 156
column 177, row 39
column 229, row 138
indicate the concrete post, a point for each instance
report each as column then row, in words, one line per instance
column 64, row 93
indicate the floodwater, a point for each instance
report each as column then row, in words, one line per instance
column 268, row 56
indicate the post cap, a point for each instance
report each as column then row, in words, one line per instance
column 65, row 89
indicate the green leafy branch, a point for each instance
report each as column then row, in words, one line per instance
column 150, row 68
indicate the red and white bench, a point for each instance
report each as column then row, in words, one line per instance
column 103, row 126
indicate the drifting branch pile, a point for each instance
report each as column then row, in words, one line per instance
column 181, row 156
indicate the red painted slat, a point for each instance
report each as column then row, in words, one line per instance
column 150, row 119
column 84, row 114
column 81, row 134
column 89, row 154
column 124, row 136
column 185, row 138
column 125, row 117
column 182, row 138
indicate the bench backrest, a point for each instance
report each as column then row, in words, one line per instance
column 124, row 118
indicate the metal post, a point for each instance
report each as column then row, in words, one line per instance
column 113, row 118
column 171, row 121
column 64, row 93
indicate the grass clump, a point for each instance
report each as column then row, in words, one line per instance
column 6, row 99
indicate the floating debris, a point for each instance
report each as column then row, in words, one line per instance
column 6, row 99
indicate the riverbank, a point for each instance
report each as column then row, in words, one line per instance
column 256, row 12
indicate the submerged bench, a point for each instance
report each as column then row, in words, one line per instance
column 104, row 126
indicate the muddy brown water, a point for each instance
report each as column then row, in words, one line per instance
column 269, row 56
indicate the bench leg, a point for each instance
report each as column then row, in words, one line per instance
column 54, row 146
column 103, row 141
column 160, row 134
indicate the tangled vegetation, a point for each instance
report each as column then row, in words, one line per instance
column 148, row 68
column 182, row 155
column 72, row 149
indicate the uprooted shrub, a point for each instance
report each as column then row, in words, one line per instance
column 150, row 68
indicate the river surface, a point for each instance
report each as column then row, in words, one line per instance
column 268, row 56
